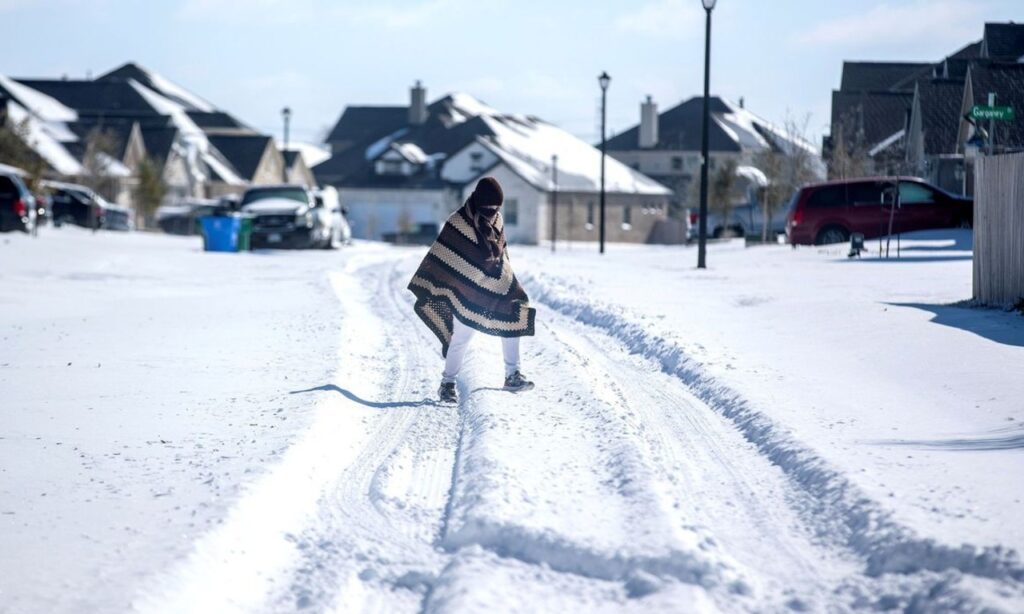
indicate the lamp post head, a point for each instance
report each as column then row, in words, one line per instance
column 286, row 112
column 708, row 4
column 604, row 80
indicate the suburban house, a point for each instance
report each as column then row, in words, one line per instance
column 667, row 146
column 104, row 127
column 296, row 170
column 254, row 158
column 405, row 169
column 890, row 117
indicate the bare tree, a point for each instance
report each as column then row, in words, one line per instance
column 150, row 191
column 98, row 161
column 15, row 150
column 720, row 193
column 787, row 165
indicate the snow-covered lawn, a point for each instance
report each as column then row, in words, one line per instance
column 183, row 431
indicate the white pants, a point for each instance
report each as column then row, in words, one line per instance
column 461, row 334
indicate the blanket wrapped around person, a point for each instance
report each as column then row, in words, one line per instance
column 467, row 275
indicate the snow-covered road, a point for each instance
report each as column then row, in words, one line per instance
column 620, row 483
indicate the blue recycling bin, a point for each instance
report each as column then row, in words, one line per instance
column 220, row 233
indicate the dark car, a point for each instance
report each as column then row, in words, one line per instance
column 75, row 205
column 17, row 205
column 829, row 212
column 291, row 216
column 183, row 218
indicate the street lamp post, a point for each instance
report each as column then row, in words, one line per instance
column 702, row 223
column 286, row 113
column 554, row 201
column 603, row 80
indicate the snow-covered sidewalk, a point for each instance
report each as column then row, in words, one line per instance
column 766, row 435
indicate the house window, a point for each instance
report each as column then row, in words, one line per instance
column 627, row 218
column 511, row 213
column 389, row 167
column 476, row 161
column 590, row 216
column 677, row 163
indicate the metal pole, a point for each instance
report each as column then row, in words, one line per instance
column 604, row 92
column 702, row 223
column 287, row 113
column 991, row 125
column 554, row 201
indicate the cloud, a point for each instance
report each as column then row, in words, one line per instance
column 663, row 19
column 942, row 21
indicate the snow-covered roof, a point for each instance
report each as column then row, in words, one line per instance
column 312, row 154
column 527, row 144
column 161, row 85
column 42, row 106
column 194, row 137
column 43, row 139
column 12, row 170
column 752, row 174
column 411, row 152
column 887, row 142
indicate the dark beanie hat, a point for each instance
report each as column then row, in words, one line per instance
column 488, row 193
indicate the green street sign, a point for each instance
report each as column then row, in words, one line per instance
column 999, row 114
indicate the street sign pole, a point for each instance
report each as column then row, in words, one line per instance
column 991, row 124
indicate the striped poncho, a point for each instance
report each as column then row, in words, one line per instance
column 459, row 278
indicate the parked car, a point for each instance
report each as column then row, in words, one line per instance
column 118, row 218
column 744, row 220
column 17, row 205
column 75, row 204
column 292, row 216
column 183, row 218
column 328, row 198
column 829, row 212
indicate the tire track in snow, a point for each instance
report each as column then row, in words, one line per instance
column 718, row 480
column 928, row 574
column 372, row 545
column 322, row 529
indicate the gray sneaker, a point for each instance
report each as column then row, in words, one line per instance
column 517, row 383
column 447, row 393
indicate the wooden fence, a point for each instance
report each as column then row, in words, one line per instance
column 999, row 229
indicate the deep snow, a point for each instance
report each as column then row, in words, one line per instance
column 257, row 432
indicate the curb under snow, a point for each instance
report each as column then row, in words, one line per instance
column 870, row 530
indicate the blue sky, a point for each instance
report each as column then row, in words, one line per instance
column 542, row 58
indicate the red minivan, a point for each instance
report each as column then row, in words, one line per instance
column 829, row 212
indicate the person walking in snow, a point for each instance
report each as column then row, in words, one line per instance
column 466, row 284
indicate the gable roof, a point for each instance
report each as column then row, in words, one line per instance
column 874, row 115
column 99, row 98
column 1006, row 81
column 243, row 151
column 1003, row 41
column 939, row 104
column 159, row 141
column 212, row 121
column 881, row 76
column 454, row 122
column 680, row 128
column 159, row 84
column 290, row 157
column 360, row 123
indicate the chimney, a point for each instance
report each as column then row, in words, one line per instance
column 648, row 124
column 741, row 102
column 417, row 104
